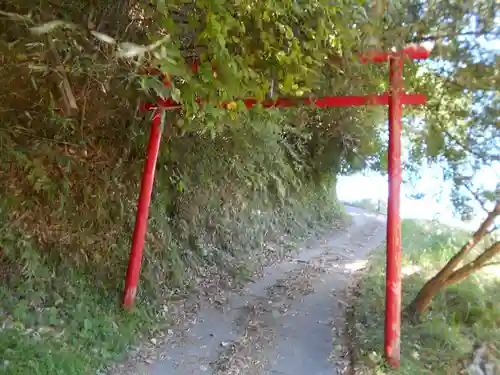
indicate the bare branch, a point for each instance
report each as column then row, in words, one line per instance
column 471, row 267
column 450, row 36
column 476, row 197
column 478, row 235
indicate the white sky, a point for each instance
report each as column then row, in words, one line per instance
column 436, row 202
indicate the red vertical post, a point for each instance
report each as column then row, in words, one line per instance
column 393, row 275
column 141, row 221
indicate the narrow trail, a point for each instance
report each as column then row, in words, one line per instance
column 282, row 324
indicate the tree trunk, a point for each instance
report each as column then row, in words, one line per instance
column 481, row 261
column 424, row 297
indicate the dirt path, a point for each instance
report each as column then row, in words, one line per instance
column 282, row 324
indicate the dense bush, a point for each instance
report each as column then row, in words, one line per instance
column 226, row 181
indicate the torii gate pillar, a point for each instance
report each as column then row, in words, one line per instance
column 395, row 99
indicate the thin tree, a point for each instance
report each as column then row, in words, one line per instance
column 453, row 272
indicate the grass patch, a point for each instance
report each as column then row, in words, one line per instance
column 459, row 316
column 56, row 319
column 69, row 187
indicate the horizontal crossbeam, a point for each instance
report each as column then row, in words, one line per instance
column 413, row 52
column 326, row 101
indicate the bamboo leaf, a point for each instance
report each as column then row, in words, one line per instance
column 50, row 26
column 103, row 37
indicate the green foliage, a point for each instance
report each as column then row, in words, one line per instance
column 256, row 49
column 254, row 46
column 67, row 205
column 229, row 182
column 458, row 128
column 221, row 209
column 233, row 191
column 460, row 316
column 56, row 319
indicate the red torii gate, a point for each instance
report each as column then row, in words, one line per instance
column 395, row 99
